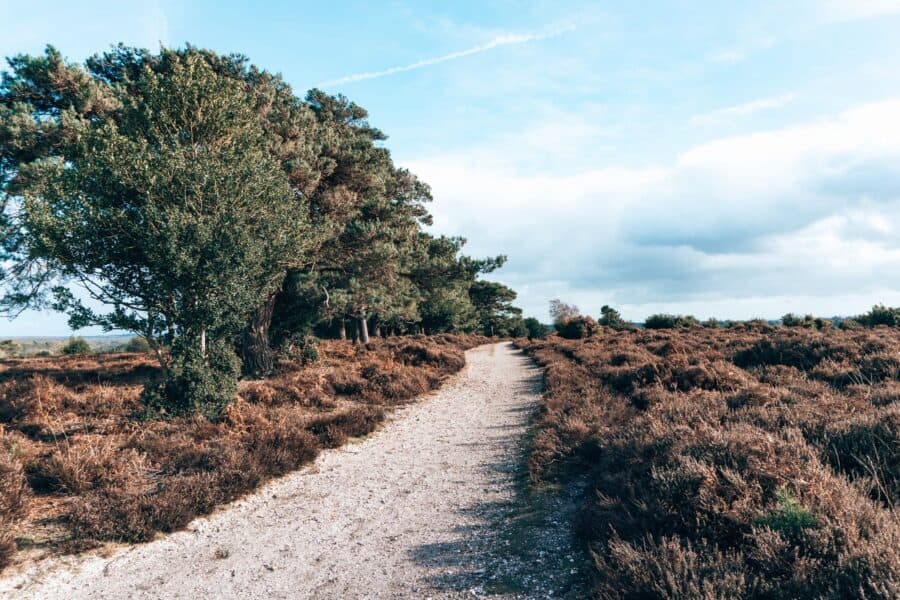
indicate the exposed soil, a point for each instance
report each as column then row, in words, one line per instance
column 434, row 504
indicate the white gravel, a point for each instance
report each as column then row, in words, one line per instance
column 431, row 505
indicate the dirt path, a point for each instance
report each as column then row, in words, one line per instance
column 432, row 505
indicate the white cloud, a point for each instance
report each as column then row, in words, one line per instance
column 497, row 42
column 850, row 10
column 743, row 110
column 809, row 210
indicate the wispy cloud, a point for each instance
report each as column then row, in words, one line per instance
column 743, row 110
column 497, row 42
column 734, row 55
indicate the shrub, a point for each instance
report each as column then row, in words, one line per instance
column 76, row 345
column 136, row 344
column 849, row 324
column 535, row 330
column 301, row 348
column 789, row 518
column 196, row 384
column 792, row 320
column 9, row 348
column 667, row 321
column 880, row 315
column 577, row 328
column 612, row 319
column 808, row 321
column 514, row 328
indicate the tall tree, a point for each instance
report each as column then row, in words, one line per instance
column 493, row 307
column 164, row 204
column 294, row 140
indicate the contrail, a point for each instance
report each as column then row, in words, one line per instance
column 503, row 40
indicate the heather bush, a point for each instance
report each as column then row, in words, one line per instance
column 72, row 428
column 750, row 462
column 14, row 498
column 577, row 328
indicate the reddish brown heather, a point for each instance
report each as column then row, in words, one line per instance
column 742, row 463
column 78, row 465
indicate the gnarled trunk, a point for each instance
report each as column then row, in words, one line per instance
column 257, row 354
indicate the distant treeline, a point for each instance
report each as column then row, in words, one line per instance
column 569, row 323
column 222, row 218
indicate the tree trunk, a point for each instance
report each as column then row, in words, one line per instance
column 377, row 331
column 257, row 355
column 355, row 331
column 203, row 342
column 342, row 328
column 363, row 327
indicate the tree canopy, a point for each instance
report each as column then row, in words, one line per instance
column 218, row 216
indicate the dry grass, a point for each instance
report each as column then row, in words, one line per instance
column 742, row 463
column 79, row 466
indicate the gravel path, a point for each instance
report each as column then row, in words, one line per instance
column 432, row 505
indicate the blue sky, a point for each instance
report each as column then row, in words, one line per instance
column 734, row 159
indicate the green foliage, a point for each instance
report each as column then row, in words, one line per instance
column 792, row 320
column 168, row 206
column 808, row 321
column 713, row 323
column 535, row 329
column 207, row 205
column 493, row 308
column 301, row 348
column 196, row 383
column 76, row 345
column 611, row 318
column 789, row 517
column 136, row 344
column 880, row 315
column 516, row 328
column 848, row 324
column 667, row 321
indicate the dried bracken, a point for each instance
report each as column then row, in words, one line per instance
column 743, row 462
column 80, row 462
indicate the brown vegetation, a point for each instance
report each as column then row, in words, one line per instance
column 742, row 463
column 79, row 463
